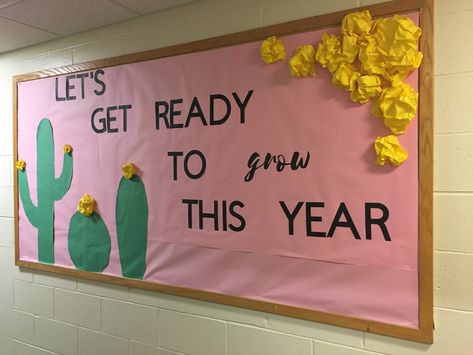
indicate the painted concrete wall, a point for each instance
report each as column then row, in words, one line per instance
column 45, row 314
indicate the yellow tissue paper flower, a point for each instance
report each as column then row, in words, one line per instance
column 129, row 170
column 367, row 86
column 356, row 23
column 302, row 63
column 345, row 77
column 21, row 165
column 67, row 149
column 86, row 205
column 272, row 50
column 389, row 150
column 327, row 49
column 396, row 106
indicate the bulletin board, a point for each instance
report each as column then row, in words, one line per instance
column 200, row 171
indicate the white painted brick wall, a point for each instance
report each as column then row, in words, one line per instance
column 191, row 334
column 42, row 313
column 78, row 309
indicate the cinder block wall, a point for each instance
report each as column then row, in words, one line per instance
column 45, row 314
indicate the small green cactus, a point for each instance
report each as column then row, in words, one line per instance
column 89, row 242
column 49, row 189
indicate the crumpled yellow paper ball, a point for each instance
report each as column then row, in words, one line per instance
column 272, row 50
column 129, row 170
column 20, row 165
column 397, row 41
column 345, row 77
column 67, row 149
column 396, row 106
column 327, row 49
column 356, row 23
column 302, row 63
column 86, row 205
column 347, row 53
column 367, row 86
column 389, row 150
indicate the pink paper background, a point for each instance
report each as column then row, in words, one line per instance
column 370, row 279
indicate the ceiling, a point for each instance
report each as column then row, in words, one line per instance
column 27, row 22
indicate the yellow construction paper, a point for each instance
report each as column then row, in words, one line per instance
column 327, row 49
column 389, row 150
column 86, row 205
column 302, row 63
column 356, row 23
column 396, row 106
column 20, row 165
column 367, row 86
column 129, row 170
column 67, row 149
column 345, row 77
column 272, row 50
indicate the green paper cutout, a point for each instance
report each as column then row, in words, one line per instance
column 132, row 226
column 89, row 242
column 49, row 190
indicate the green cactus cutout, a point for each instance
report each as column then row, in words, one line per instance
column 49, row 189
column 89, row 242
column 132, row 226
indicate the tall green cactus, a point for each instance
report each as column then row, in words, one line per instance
column 89, row 242
column 132, row 226
column 49, row 189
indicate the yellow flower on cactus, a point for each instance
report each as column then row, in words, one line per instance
column 389, row 150
column 345, row 77
column 302, row 63
column 20, row 165
column 272, row 50
column 356, row 23
column 86, row 205
column 396, row 106
column 327, row 49
column 129, row 170
column 367, row 86
column 67, row 149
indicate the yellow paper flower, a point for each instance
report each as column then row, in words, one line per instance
column 327, row 49
column 356, row 23
column 86, row 205
column 370, row 58
column 129, row 170
column 345, row 77
column 389, row 150
column 272, row 50
column 21, row 165
column 302, row 63
column 396, row 106
column 367, row 86
column 67, row 149
column 347, row 53
column 397, row 41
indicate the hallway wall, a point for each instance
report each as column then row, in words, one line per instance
column 43, row 313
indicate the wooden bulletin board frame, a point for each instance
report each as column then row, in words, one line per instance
column 425, row 198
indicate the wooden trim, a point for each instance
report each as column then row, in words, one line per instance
column 425, row 332
column 426, row 128
column 15, row 171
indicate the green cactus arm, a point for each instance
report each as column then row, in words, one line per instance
column 30, row 209
column 63, row 182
